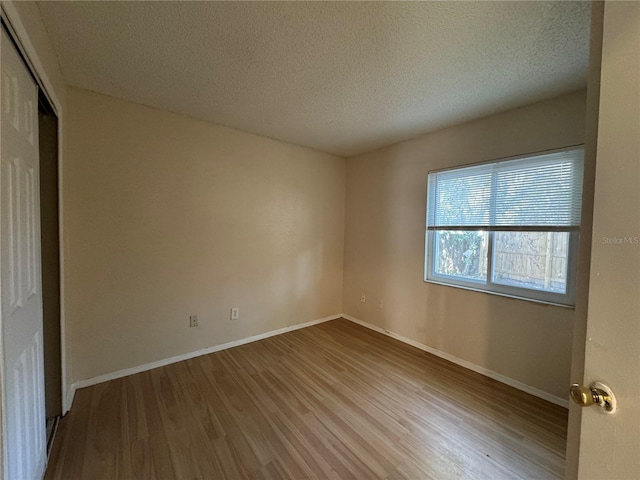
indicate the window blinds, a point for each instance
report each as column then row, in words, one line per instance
column 525, row 193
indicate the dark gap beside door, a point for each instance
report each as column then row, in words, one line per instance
column 48, row 143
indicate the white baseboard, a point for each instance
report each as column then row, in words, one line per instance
column 67, row 401
column 185, row 356
column 464, row 363
column 216, row 348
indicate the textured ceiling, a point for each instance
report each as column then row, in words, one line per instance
column 341, row 77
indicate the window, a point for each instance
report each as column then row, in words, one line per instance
column 508, row 227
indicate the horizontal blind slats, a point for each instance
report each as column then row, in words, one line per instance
column 542, row 190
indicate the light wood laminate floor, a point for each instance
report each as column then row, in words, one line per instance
column 335, row 400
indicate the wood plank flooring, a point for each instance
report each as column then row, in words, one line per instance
column 334, row 401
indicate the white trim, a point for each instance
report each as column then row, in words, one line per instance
column 465, row 364
column 186, row 356
column 216, row 348
column 28, row 51
column 67, row 389
column 67, row 400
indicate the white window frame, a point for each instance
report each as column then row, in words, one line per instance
column 489, row 286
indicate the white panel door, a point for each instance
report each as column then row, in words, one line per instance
column 23, row 395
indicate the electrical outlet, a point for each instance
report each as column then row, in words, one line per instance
column 193, row 320
column 363, row 298
column 380, row 304
column 235, row 313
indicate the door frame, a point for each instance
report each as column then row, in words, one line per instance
column 18, row 33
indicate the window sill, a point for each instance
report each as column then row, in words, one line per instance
column 501, row 294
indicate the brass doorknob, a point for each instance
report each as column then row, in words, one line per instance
column 597, row 394
column 583, row 396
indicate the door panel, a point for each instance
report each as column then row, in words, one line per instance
column 23, row 396
column 609, row 445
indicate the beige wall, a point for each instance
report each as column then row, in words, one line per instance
column 166, row 216
column 384, row 249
